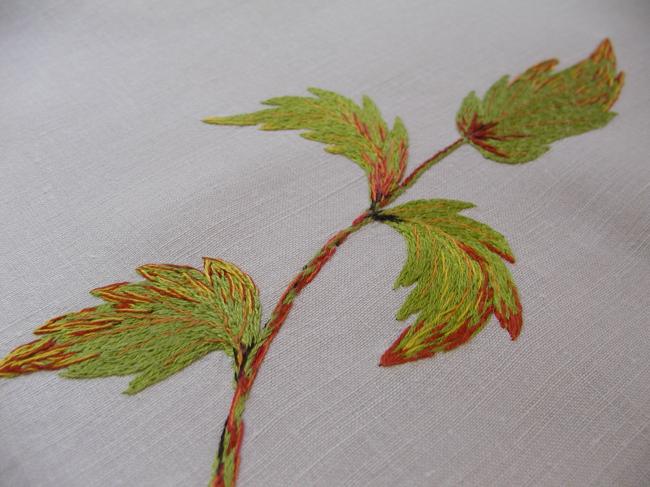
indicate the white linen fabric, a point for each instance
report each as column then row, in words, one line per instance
column 105, row 165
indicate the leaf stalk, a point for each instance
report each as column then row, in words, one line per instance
column 226, row 463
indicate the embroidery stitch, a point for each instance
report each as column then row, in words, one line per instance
column 156, row 327
column 460, row 279
column 516, row 121
column 153, row 328
column 358, row 133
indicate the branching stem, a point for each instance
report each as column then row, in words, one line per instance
column 410, row 180
column 226, row 464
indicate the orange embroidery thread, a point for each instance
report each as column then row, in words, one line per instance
column 177, row 314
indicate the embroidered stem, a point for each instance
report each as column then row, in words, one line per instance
column 410, row 180
column 227, row 460
column 226, row 464
column 178, row 314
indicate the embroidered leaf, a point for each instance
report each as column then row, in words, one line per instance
column 356, row 132
column 518, row 120
column 460, row 279
column 153, row 328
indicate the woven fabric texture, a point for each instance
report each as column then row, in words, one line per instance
column 106, row 166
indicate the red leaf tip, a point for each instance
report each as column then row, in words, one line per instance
column 513, row 323
column 393, row 356
column 389, row 358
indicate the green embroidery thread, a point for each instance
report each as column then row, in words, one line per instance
column 356, row 132
column 153, row 328
column 517, row 121
column 460, row 279
column 177, row 315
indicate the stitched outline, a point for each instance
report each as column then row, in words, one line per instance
column 178, row 314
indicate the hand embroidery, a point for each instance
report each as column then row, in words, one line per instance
column 156, row 327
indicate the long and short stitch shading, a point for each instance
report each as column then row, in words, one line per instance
column 152, row 328
column 178, row 314
column 356, row 132
column 517, row 120
column 456, row 264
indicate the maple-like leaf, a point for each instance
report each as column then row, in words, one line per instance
column 356, row 132
column 518, row 120
column 152, row 328
column 461, row 280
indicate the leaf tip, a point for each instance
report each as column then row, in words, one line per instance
column 396, row 353
column 393, row 357
column 6, row 369
column 505, row 254
column 387, row 359
column 40, row 354
column 620, row 79
column 604, row 50
column 208, row 261
column 511, row 320
column 316, row 91
column 512, row 325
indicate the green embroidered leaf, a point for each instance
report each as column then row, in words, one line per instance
column 518, row 120
column 356, row 132
column 460, row 279
column 153, row 328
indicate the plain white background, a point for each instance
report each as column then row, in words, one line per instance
column 104, row 165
